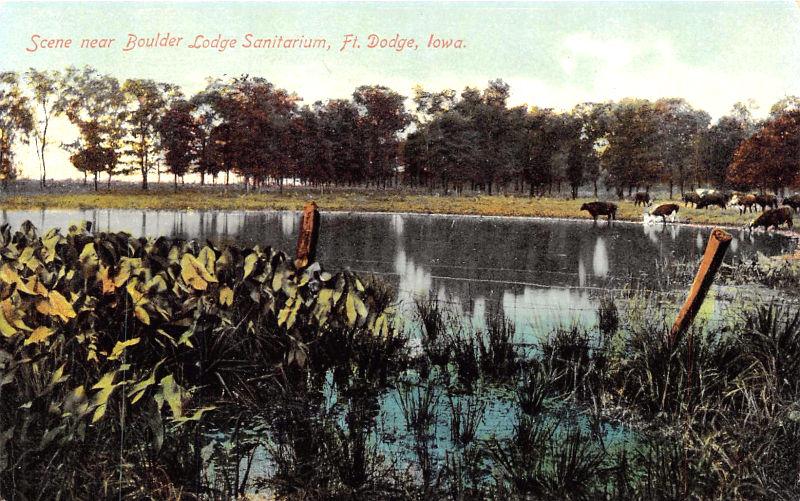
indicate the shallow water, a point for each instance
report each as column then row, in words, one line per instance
column 539, row 272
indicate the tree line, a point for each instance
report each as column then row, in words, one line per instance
column 443, row 140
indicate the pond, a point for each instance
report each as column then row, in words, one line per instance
column 540, row 273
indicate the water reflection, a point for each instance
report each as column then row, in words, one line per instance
column 536, row 270
column 600, row 259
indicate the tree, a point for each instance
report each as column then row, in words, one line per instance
column 95, row 104
column 16, row 122
column 631, row 157
column 179, row 138
column 49, row 93
column 382, row 116
column 539, row 145
column 771, row 157
column 147, row 101
column 716, row 147
column 593, row 118
column 452, row 145
column 206, row 118
column 678, row 128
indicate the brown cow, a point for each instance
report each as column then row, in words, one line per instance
column 712, row 199
column 665, row 210
column 691, row 198
column 643, row 198
column 793, row 202
column 601, row 209
column 773, row 217
column 767, row 201
column 745, row 203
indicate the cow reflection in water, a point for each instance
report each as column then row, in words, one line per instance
column 657, row 232
column 600, row 258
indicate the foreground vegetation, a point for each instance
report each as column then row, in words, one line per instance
column 156, row 368
column 357, row 201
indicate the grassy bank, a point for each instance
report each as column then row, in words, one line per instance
column 357, row 200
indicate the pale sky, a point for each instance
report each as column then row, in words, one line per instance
column 552, row 54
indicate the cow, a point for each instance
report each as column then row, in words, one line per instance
column 709, row 199
column 792, row 201
column 767, row 201
column 745, row 203
column 691, row 198
column 643, row 198
column 601, row 209
column 663, row 211
column 773, row 217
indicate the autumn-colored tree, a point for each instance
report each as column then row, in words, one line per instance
column 771, row 157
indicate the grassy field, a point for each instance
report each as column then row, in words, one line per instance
column 356, row 200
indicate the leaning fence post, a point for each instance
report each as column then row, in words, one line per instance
column 718, row 243
column 307, row 239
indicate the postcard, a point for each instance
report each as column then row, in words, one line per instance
column 399, row 250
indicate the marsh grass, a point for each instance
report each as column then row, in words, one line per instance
column 609, row 411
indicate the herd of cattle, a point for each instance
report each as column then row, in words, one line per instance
column 771, row 214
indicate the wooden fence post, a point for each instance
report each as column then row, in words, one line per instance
column 307, row 239
column 718, row 244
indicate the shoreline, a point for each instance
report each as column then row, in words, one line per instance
column 378, row 202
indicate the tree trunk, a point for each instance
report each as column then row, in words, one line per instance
column 95, row 180
column 175, row 182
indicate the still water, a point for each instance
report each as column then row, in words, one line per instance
column 539, row 272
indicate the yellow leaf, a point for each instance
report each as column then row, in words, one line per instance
column 226, row 296
column 172, row 394
column 36, row 287
column 138, row 297
column 8, row 274
column 198, row 414
column 106, row 281
column 142, row 315
column 6, row 327
column 120, row 347
column 194, row 273
column 39, row 334
column 250, row 263
column 350, row 309
column 60, row 306
column 207, row 258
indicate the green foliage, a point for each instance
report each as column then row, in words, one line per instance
column 97, row 328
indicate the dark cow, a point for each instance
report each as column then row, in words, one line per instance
column 792, row 201
column 642, row 198
column 665, row 210
column 601, row 209
column 767, row 201
column 709, row 199
column 691, row 198
column 773, row 217
column 746, row 203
